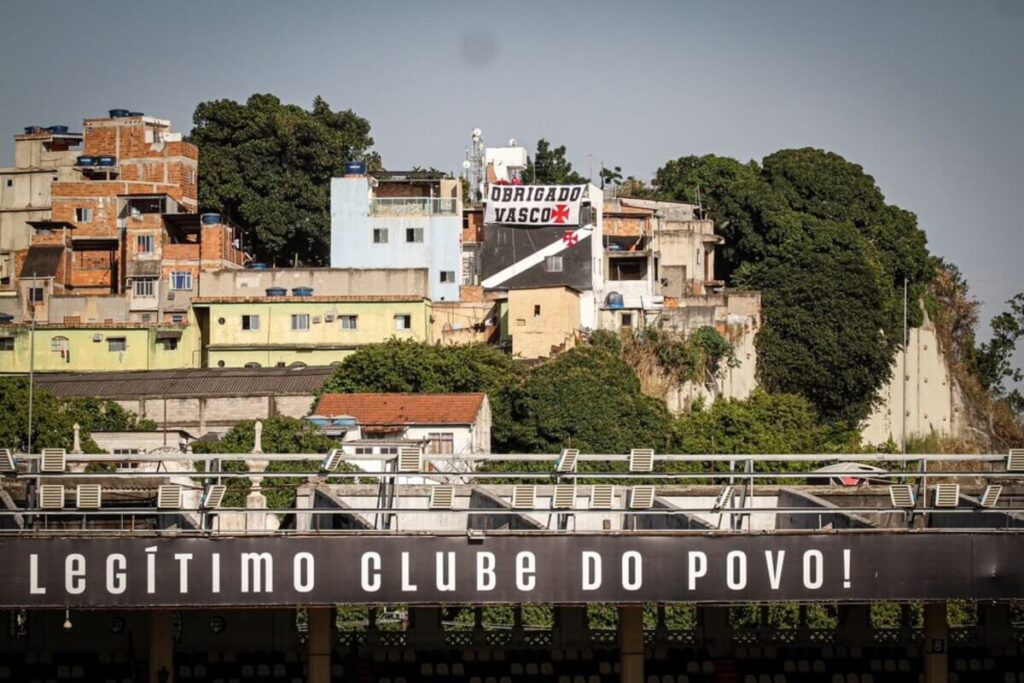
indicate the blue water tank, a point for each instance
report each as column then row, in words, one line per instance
column 6, row 318
column 85, row 160
column 257, row 266
column 210, row 219
column 344, row 421
column 32, row 129
column 58, row 129
column 119, row 113
column 318, row 420
column 106, row 160
column 355, row 168
column 614, row 300
column 277, row 291
column 302, row 291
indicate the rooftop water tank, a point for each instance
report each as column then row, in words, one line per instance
column 32, row 129
column 257, row 266
column 355, row 168
column 119, row 113
column 302, row 291
column 210, row 219
column 58, row 129
column 135, row 113
column 85, row 160
column 6, row 318
column 614, row 300
column 106, row 160
column 277, row 291
column 318, row 420
column 344, row 421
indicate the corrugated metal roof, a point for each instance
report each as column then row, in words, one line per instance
column 206, row 383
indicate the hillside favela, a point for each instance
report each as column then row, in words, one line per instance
column 533, row 343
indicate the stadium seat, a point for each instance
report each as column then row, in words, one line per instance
column 458, row 670
column 546, row 669
column 750, row 678
column 838, row 678
column 442, row 669
column 604, row 668
column 263, row 671
column 789, row 666
column 708, row 667
column 803, row 666
column 682, row 678
column 279, row 671
column 889, row 665
column 531, row 669
column 693, row 667
column 668, row 678
column 818, row 666
column 199, row 671
column 764, row 678
column 650, row 679
column 779, row 678
column 974, row 665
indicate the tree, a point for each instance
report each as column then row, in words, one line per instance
column 550, row 167
column 586, row 398
column 280, row 434
column 267, row 166
column 993, row 360
column 611, row 177
column 53, row 419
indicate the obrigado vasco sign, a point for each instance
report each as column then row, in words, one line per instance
column 574, row 568
column 534, row 205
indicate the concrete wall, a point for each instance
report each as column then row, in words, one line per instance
column 554, row 326
column 922, row 387
column 324, row 281
column 201, row 415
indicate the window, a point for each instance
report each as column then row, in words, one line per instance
column 181, row 279
column 10, row 182
column 169, row 344
column 250, row 322
column 147, row 317
column 553, row 264
column 144, row 287
column 191, row 177
column 252, row 364
column 177, row 318
column 83, row 215
column 403, row 322
column 380, row 235
column 117, row 344
column 414, row 234
column 627, row 319
column 536, row 310
column 300, row 321
column 447, row 276
column 144, row 244
column 349, row 322
column 441, row 443
column 6, row 343
column 35, row 295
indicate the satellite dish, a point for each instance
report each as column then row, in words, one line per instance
column 477, row 133
column 466, row 164
column 511, row 142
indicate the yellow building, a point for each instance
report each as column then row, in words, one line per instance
column 542, row 320
column 276, row 331
column 57, row 347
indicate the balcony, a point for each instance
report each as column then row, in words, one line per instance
column 413, row 206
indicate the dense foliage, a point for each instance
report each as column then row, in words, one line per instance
column 814, row 233
column 53, row 419
column 268, row 167
column 993, row 360
column 280, row 435
column 548, row 166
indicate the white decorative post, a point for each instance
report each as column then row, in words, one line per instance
column 76, row 447
column 258, row 440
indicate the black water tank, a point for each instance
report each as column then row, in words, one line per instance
column 119, row 113
column 355, row 168
column 210, row 219
column 85, row 160
column 58, row 129
column 106, row 160
column 277, row 291
column 302, row 291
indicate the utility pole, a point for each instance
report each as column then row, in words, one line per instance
column 906, row 342
column 31, row 359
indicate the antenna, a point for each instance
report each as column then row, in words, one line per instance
column 474, row 166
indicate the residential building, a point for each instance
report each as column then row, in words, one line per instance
column 95, row 347
column 445, row 423
column 279, row 331
column 198, row 401
column 400, row 220
column 542, row 321
column 323, row 281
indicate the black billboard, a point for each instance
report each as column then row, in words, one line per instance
column 510, row 568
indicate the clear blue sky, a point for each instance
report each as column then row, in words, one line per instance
column 926, row 95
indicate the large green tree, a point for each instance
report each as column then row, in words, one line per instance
column 548, row 166
column 993, row 360
column 268, row 167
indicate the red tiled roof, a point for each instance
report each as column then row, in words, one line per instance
column 403, row 409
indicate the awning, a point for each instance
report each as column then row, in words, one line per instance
column 168, row 334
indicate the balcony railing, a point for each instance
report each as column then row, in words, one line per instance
column 413, row 206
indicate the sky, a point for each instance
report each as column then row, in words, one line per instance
column 925, row 95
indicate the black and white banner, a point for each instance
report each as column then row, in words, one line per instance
column 534, row 205
column 567, row 568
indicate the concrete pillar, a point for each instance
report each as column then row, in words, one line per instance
column 936, row 643
column 715, row 630
column 854, row 624
column 631, row 643
column 161, row 647
column 319, row 621
column 572, row 627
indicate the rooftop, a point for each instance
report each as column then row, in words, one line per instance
column 403, row 409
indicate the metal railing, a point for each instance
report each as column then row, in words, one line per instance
column 413, row 206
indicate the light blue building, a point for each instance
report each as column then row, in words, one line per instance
column 400, row 220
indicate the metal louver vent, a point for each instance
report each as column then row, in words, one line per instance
column 213, row 496
column 567, row 461
column 601, row 497
column 88, row 497
column 523, row 497
column 724, row 499
column 641, row 460
column 947, row 495
column 51, row 496
column 564, row 497
column 332, row 460
column 991, row 496
column 901, row 495
column 7, row 465
column 1015, row 461
column 641, row 497
column 442, row 497
column 52, row 460
column 410, row 460
column 168, row 497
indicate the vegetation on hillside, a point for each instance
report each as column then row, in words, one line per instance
column 53, row 419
